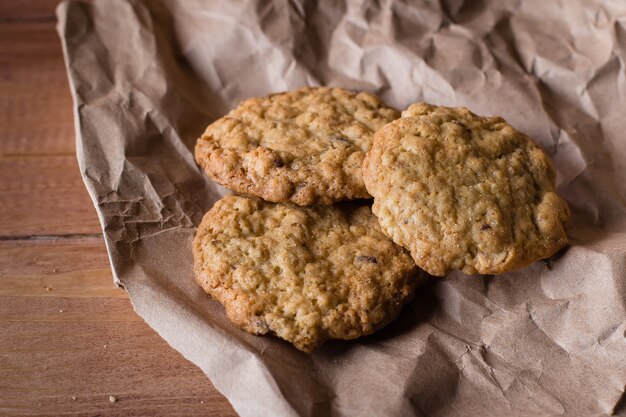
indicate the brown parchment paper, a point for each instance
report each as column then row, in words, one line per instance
column 147, row 77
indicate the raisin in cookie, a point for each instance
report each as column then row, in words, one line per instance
column 305, row 146
column 464, row 192
column 306, row 274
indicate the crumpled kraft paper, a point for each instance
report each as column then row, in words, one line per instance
column 147, row 77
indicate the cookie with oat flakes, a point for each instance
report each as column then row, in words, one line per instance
column 305, row 274
column 464, row 192
column 305, row 146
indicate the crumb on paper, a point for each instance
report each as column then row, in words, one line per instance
column 112, row 398
column 61, row 311
column 48, row 288
column 54, row 271
column 73, row 398
column 105, row 346
column 201, row 401
column 547, row 264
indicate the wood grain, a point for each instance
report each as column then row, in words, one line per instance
column 35, row 103
column 27, row 10
column 68, row 338
column 56, row 267
column 80, row 338
column 44, row 195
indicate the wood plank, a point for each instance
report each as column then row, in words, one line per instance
column 35, row 104
column 27, row 10
column 65, row 354
column 66, row 268
column 44, row 196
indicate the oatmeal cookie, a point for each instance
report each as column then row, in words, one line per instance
column 464, row 192
column 305, row 146
column 306, row 274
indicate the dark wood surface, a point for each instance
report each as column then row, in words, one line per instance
column 69, row 340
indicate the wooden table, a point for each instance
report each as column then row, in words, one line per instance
column 70, row 342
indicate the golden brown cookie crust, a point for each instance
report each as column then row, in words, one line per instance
column 464, row 192
column 305, row 146
column 306, row 274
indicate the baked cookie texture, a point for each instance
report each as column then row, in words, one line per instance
column 304, row 274
column 305, row 146
column 464, row 192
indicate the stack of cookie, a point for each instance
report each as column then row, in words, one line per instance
column 291, row 256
